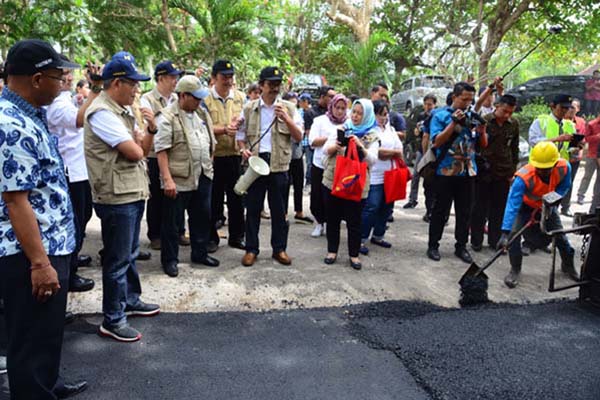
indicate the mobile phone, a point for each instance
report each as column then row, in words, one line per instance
column 341, row 137
column 577, row 138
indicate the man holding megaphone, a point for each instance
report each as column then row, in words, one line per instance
column 268, row 126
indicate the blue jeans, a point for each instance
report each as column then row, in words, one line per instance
column 534, row 234
column 308, row 158
column 375, row 213
column 121, row 245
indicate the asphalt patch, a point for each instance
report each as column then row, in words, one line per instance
column 544, row 351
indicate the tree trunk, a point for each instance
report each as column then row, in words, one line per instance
column 358, row 19
column 164, row 15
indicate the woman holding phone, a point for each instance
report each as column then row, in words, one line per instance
column 360, row 128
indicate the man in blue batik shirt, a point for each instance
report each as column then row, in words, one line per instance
column 37, row 232
column 453, row 135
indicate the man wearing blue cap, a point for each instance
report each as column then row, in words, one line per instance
column 115, row 148
column 166, row 75
column 37, row 230
column 184, row 148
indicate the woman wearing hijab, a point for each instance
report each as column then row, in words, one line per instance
column 375, row 210
column 322, row 128
column 361, row 127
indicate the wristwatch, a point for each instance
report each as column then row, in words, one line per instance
column 152, row 132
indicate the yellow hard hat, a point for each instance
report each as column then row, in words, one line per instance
column 544, row 155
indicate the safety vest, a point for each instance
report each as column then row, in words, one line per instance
column 535, row 188
column 550, row 127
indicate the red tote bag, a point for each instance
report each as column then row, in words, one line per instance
column 350, row 175
column 395, row 180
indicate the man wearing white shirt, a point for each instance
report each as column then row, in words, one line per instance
column 66, row 122
column 115, row 149
column 163, row 95
column 268, row 125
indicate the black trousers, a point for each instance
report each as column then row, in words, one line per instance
column 227, row 171
column 448, row 190
column 81, row 199
column 296, row 179
column 488, row 205
column 317, row 196
column 35, row 330
column 155, row 201
column 274, row 186
column 428, row 187
column 197, row 205
column 565, row 203
column 338, row 210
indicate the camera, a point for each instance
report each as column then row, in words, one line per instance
column 473, row 120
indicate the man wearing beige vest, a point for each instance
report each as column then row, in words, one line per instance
column 114, row 150
column 225, row 105
column 166, row 76
column 184, row 150
column 268, row 126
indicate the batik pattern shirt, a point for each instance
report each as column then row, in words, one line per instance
column 30, row 161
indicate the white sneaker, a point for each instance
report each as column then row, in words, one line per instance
column 318, row 231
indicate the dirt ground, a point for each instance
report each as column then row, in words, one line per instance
column 400, row 273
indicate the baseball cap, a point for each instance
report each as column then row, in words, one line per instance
column 224, row 67
column 27, row 57
column 563, row 100
column 166, row 68
column 192, row 85
column 270, row 74
column 305, row 96
column 122, row 65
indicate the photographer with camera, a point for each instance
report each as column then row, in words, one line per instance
column 496, row 165
column 454, row 132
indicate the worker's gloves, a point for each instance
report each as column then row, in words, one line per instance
column 503, row 241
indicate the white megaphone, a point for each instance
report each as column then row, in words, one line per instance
column 257, row 167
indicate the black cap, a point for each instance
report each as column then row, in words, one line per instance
column 166, row 68
column 270, row 74
column 27, row 57
column 224, row 67
column 563, row 100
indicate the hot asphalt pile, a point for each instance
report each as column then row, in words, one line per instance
column 386, row 350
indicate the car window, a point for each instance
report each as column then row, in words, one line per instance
column 436, row 82
column 417, row 82
column 407, row 85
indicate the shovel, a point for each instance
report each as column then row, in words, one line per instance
column 473, row 283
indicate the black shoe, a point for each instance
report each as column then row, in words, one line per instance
column 356, row 265
column 84, row 260
column 171, row 269
column 463, row 254
column 410, row 204
column 476, row 247
column 142, row 310
column 390, row 219
column 211, row 247
column 512, row 279
column 79, row 284
column 525, row 250
column 566, row 212
column 434, row 254
column 144, row 256
column 236, row 244
column 69, row 317
column 426, row 218
column 329, row 260
column 207, row 260
column 70, row 389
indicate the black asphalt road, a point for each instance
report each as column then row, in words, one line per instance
column 391, row 350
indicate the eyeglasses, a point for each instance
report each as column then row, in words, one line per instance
column 57, row 78
column 130, row 82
